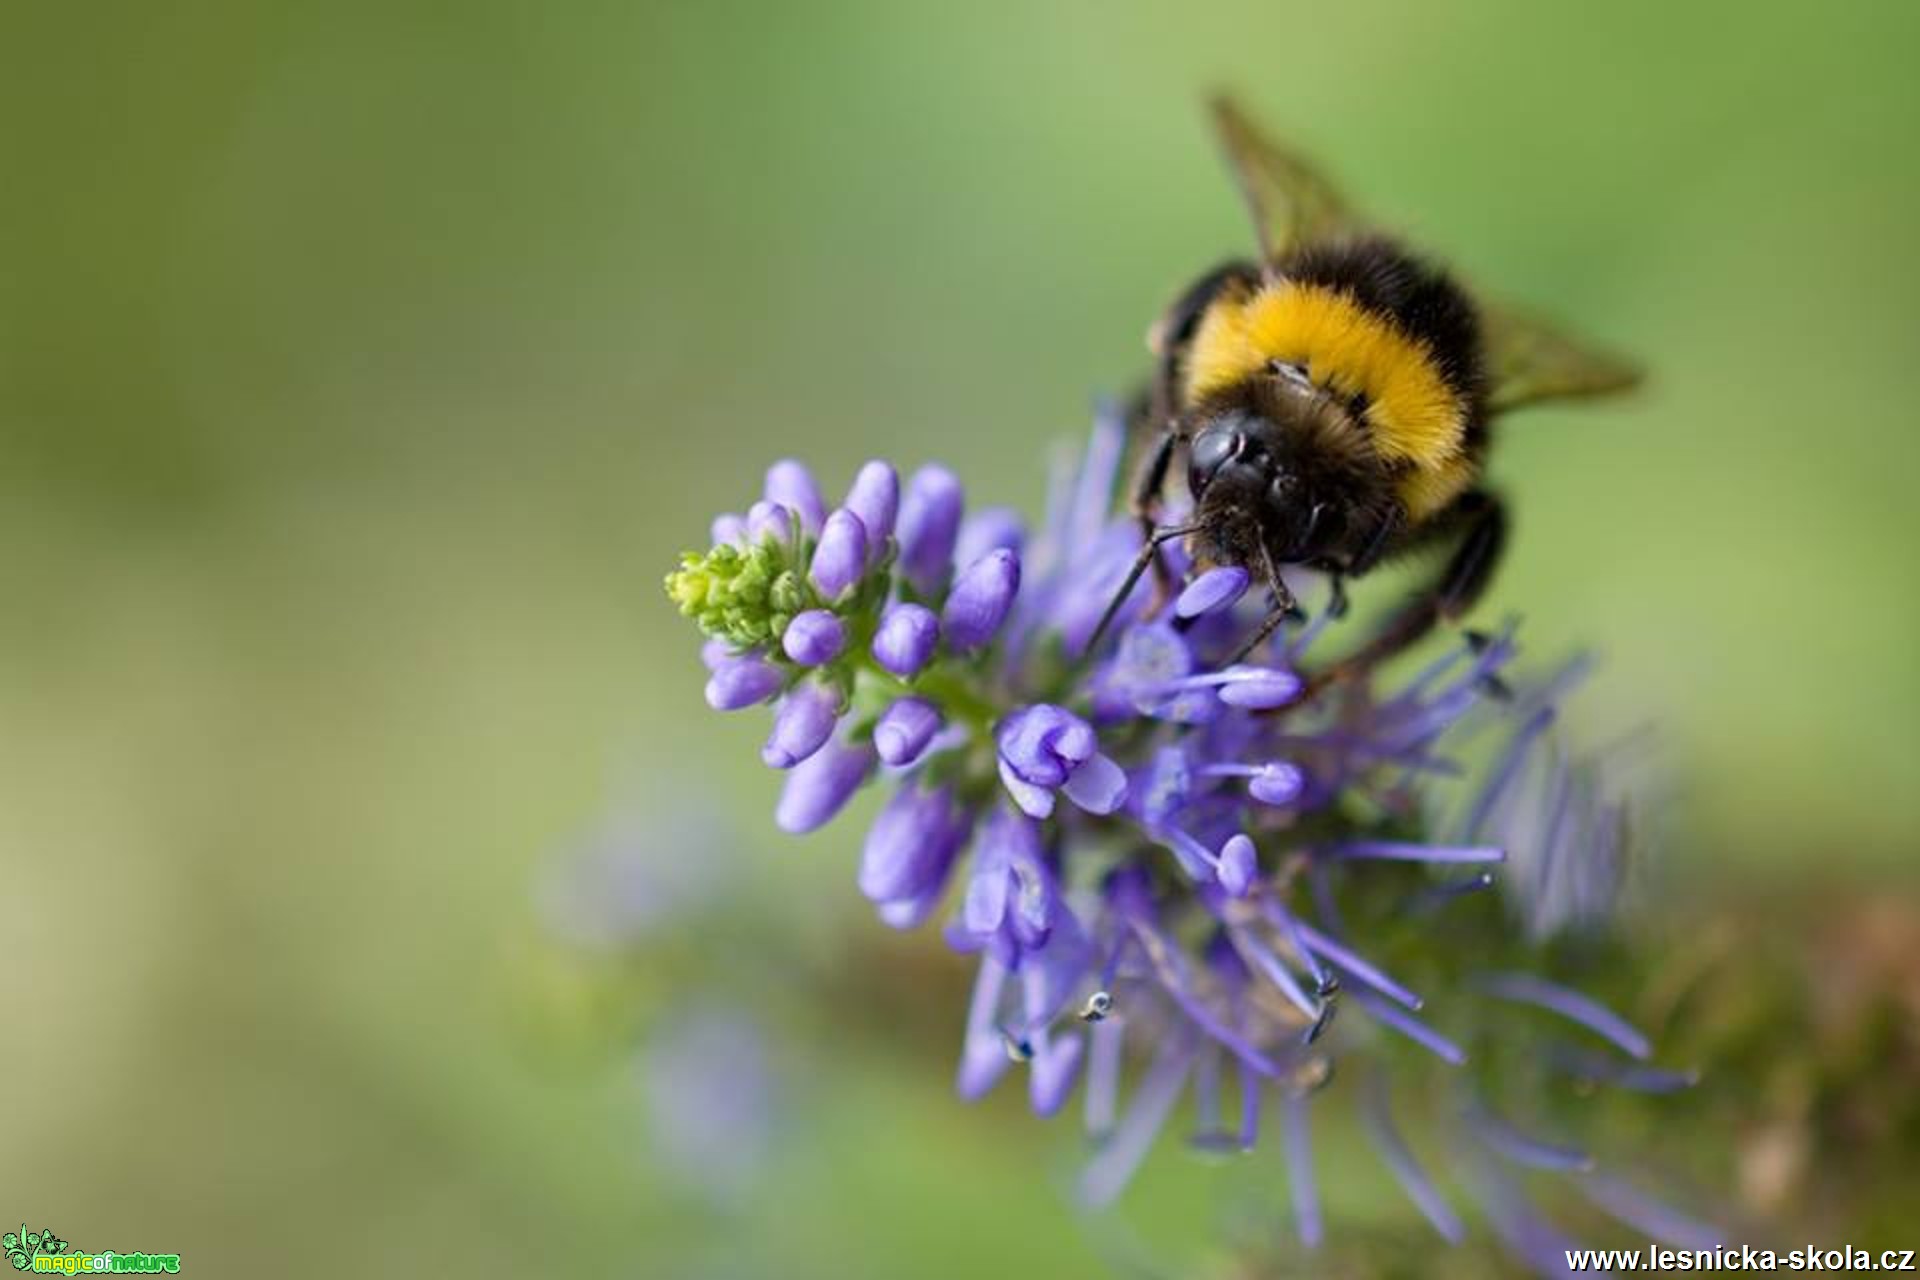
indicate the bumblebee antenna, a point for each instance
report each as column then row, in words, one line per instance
column 1148, row 551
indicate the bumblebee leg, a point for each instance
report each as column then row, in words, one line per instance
column 1281, row 606
column 1337, row 595
column 1378, row 541
column 1145, row 505
column 1478, row 522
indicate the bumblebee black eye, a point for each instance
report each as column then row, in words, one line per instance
column 1212, row 449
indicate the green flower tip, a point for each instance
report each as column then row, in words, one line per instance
column 743, row 595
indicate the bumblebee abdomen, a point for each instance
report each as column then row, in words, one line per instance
column 1377, row 327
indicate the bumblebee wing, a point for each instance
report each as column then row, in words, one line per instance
column 1290, row 200
column 1530, row 360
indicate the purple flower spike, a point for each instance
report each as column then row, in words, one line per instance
column 904, row 730
column 820, row 786
column 1043, row 748
column 801, row 726
column 1212, row 591
column 769, row 520
column 875, row 499
column 929, row 524
column 980, row 599
column 1157, row 950
column 814, row 637
column 1238, row 866
column 790, row 484
column 741, row 682
column 905, row 639
column 1258, row 688
column 841, row 557
column 990, row 529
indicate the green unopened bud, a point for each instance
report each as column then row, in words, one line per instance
column 742, row 595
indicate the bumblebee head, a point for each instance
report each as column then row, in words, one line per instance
column 1271, row 470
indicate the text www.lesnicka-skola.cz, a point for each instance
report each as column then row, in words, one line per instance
column 1742, row 1258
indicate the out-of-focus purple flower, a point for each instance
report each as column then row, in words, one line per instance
column 814, row 637
column 709, row 1089
column 928, row 526
column 802, row 725
column 790, row 484
column 980, row 599
column 841, row 557
column 631, row 877
column 905, row 639
column 875, row 499
column 905, row 729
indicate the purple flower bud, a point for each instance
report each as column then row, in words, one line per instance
column 980, row 599
column 716, row 653
column 875, row 498
column 905, row 638
column 814, row 637
column 929, row 523
column 1212, row 591
column 1238, row 866
column 791, row 485
column 820, row 786
column 801, row 726
column 741, row 682
column 841, row 557
column 911, row 845
column 1258, row 688
column 769, row 520
column 989, row 529
column 904, row 730
column 730, row 527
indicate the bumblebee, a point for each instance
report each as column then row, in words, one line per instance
column 1333, row 404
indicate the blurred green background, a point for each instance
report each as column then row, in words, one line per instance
column 362, row 368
